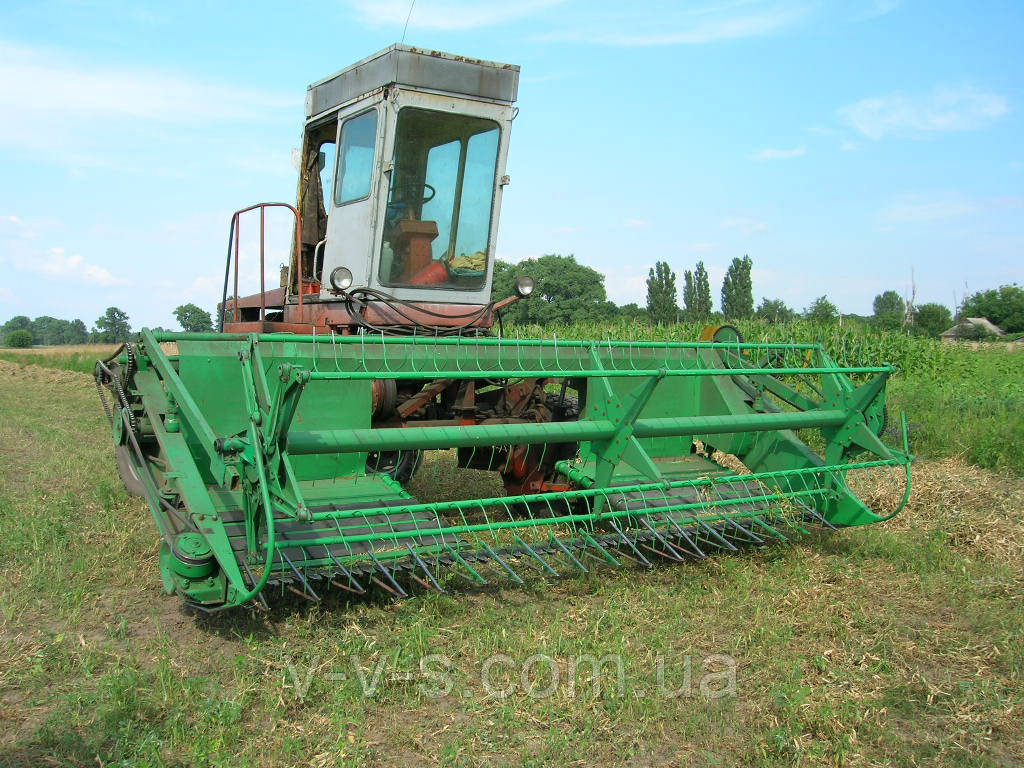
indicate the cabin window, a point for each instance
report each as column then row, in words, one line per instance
column 355, row 158
column 326, row 163
column 438, row 222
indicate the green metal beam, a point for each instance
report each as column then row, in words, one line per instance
column 506, row 371
column 426, row 438
column 484, row 341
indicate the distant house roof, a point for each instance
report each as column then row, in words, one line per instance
column 982, row 323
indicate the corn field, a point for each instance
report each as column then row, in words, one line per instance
column 849, row 345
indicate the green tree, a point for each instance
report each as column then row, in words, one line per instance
column 566, row 291
column 1004, row 306
column 689, row 295
column 193, row 319
column 932, row 319
column 113, row 327
column 697, row 293
column 49, row 330
column 738, row 290
column 633, row 311
column 701, row 293
column 822, row 311
column 661, row 294
column 76, row 333
column 20, row 339
column 774, row 311
column 16, row 323
column 889, row 311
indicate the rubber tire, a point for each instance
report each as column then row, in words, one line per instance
column 401, row 471
column 126, row 469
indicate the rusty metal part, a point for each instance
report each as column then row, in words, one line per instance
column 383, row 395
column 419, row 400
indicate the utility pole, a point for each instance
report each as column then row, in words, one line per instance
column 908, row 315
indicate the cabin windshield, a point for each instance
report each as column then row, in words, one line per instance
column 438, row 221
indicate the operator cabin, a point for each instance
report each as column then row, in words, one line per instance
column 403, row 165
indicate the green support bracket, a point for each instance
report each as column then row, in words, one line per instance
column 187, row 409
column 622, row 445
column 855, row 431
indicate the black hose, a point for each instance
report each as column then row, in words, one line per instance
column 356, row 300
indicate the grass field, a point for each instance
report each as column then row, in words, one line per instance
column 895, row 644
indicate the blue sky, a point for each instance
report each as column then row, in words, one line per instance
column 840, row 144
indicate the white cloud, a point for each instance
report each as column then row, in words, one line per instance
column 745, row 225
column 637, row 223
column 607, row 22
column 917, row 209
column 848, row 146
column 699, row 247
column 779, row 154
column 57, row 263
column 629, row 285
column 910, row 211
column 667, row 23
column 945, row 109
column 877, row 8
column 47, row 97
column 22, row 229
column 446, row 14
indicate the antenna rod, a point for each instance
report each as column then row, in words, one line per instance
column 407, row 17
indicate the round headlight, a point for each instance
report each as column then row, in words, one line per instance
column 341, row 278
column 525, row 285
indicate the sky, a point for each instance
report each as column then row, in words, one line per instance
column 845, row 146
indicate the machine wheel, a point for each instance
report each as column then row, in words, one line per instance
column 129, row 475
column 398, row 465
column 536, row 463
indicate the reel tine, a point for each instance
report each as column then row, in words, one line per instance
column 765, row 525
column 461, row 561
column 502, row 563
column 600, row 548
column 714, row 488
column 699, row 552
column 670, row 553
column 717, row 535
column 252, row 580
column 385, row 363
column 426, row 570
column 575, row 561
column 305, row 584
column 748, row 534
column 807, row 508
column 400, row 592
column 632, row 545
column 538, row 558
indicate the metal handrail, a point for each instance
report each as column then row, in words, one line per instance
column 234, row 238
